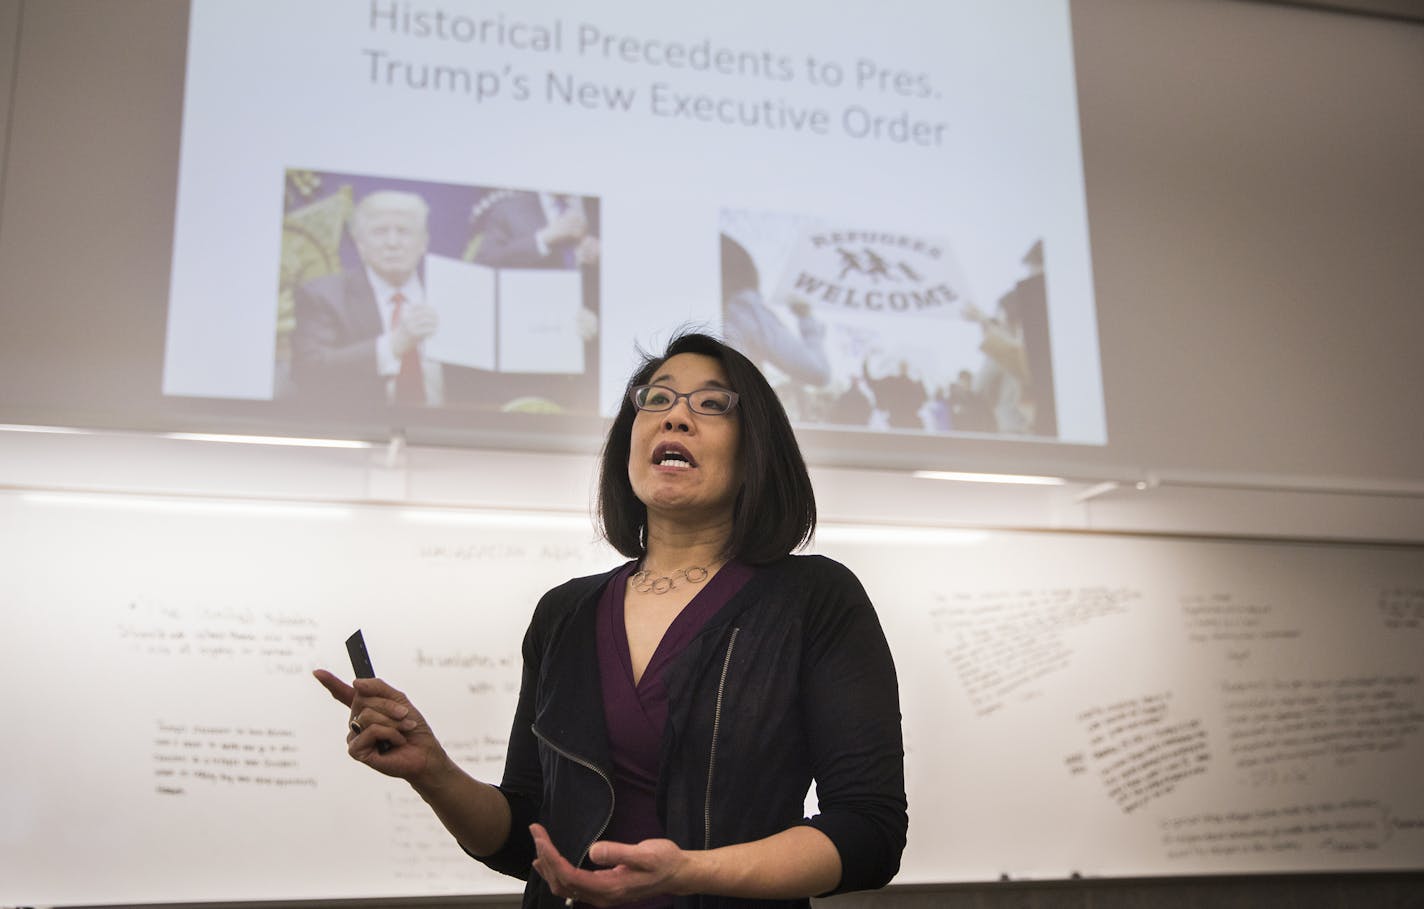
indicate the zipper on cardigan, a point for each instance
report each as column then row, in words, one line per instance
column 601, row 775
column 712, row 756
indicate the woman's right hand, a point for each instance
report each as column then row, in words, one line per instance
column 381, row 714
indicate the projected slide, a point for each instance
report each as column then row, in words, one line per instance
column 406, row 209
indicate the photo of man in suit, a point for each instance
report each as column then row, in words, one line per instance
column 358, row 332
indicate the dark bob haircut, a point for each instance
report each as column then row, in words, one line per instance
column 775, row 511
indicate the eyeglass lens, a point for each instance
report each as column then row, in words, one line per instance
column 658, row 398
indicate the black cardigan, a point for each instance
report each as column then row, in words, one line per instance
column 791, row 681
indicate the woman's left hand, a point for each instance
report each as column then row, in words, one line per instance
column 630, row 871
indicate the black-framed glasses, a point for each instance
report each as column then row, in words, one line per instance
column 712, row 402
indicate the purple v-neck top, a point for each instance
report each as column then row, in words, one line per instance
column 636, row 714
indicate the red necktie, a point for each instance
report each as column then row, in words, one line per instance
column 410, row 384
column 569, row 255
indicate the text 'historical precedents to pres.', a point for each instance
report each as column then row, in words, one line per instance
column 487, row 59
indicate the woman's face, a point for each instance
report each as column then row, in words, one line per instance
column 681, row 463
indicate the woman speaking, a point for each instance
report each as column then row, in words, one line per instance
column 673, row 712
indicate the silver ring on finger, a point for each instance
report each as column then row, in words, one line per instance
column 355, row 728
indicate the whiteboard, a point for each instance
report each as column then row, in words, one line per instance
column 1073, row 703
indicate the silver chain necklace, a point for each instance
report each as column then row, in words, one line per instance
column 644, row 582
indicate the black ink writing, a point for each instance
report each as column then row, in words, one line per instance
column 192, row 758
column 1002, row 642
column 1140, row 752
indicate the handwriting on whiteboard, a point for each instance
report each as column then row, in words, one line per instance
column 277, row 642
column 486, row 673
column 421, row 848
column 1401, row 608
column 1284, row 730
column 1311, row 828
column 197, row 758
column 1222, row 618
column 1139, row 750
column 1002, row 642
